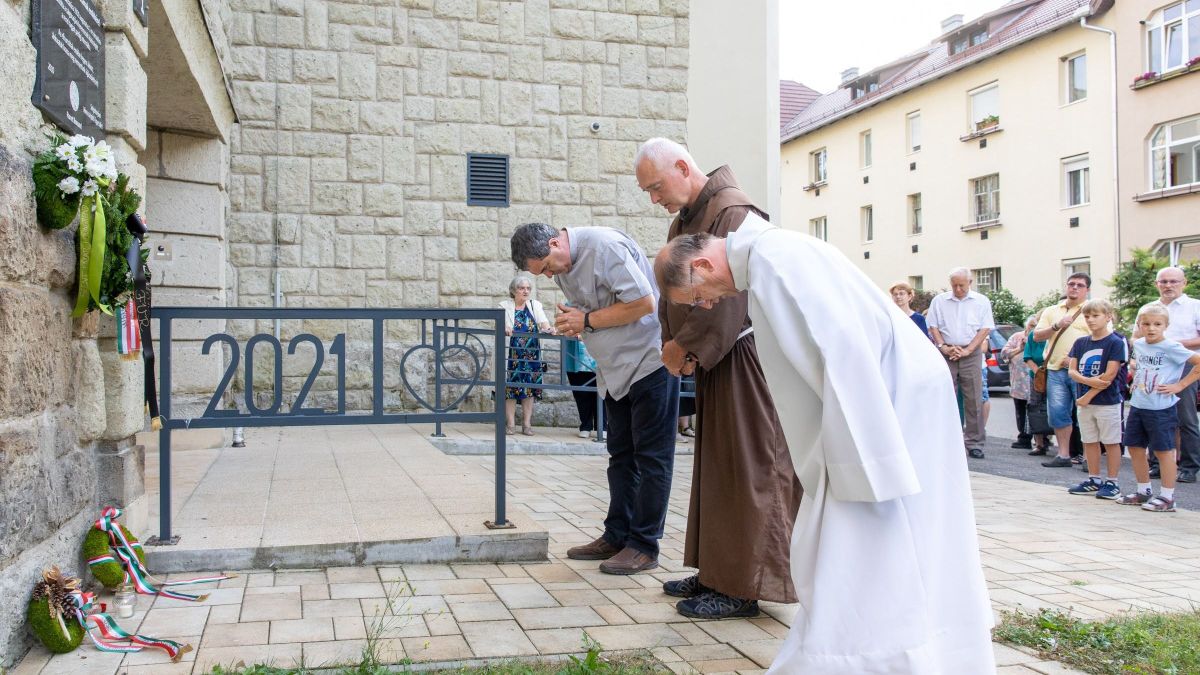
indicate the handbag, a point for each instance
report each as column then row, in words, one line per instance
column 1039, row 377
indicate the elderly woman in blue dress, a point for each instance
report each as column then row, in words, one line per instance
column 523, row 316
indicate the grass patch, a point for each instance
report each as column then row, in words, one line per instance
column 1138, row 644
column 591, row 663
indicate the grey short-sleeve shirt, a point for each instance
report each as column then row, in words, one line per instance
column 607, row 267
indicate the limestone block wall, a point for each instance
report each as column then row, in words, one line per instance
column 348, row 169
column 63, row 424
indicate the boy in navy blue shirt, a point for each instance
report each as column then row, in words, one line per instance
column 1152, row 420
column 1095, row 361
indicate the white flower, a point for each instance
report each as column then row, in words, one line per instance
column 89, row 188
column 69, row 185
column 73, row 164
column 90, row 154
column 103, row 150
column 96, row 167
column 64, row 151
column 110, row 169
column 78, row 141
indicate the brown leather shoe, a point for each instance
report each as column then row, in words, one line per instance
column 629, row 561
column 597, row 550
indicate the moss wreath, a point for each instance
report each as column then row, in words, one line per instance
column 52, row 612
column 49, row 630
column 109, row 572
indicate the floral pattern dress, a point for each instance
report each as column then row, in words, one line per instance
column 1018, row 372
column 524, row 357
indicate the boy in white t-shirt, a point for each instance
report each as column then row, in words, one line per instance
column 1152, row 421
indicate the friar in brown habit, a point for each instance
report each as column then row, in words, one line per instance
column 745, row 494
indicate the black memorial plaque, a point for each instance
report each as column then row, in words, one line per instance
column 139, row 8
column 69, row 37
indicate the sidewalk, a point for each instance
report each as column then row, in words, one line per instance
column 1034, row 540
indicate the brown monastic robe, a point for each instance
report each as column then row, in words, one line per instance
column 745, row 494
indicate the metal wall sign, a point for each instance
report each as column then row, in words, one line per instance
column 139, row 8
column 69, row 89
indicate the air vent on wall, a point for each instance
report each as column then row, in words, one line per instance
column 487, row 180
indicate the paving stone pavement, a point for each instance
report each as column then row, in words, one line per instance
column 1040, row 548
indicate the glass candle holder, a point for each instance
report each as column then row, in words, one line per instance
column 125, row 600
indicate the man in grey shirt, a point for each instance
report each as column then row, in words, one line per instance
column 614, row 302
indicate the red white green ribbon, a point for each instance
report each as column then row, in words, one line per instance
column 129, row 333
column 112, row 637
column 135, row 573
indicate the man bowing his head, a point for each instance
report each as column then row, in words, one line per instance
column 885, row 560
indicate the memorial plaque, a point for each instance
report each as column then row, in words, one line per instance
column 139, row 8
column 69, row 38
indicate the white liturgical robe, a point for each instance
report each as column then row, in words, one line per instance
column 885, row 558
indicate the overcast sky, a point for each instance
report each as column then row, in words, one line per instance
column 818, row 40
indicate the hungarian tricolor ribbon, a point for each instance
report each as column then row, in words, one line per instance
column 135, row 573
column 129, row 333
column 112, row 638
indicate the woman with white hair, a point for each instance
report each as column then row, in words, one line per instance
column 523, row 318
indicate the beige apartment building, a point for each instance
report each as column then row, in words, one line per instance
column 991, row 148
column 1158, row 124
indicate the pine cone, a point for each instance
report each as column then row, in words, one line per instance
column 56, row 588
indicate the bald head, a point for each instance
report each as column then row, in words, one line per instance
column 662, row 152
column 1170, row 282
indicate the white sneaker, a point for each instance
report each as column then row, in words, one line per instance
column 583, row 434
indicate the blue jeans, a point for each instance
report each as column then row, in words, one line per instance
column 1060, row 397
column 641, row 457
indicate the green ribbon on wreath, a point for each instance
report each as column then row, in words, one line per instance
column 92, row 242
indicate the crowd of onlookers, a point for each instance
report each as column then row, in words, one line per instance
column 1079, row 388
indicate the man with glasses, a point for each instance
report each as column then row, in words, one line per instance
column 745, row 494
column 1060, row 326
column 610, row 285
column 960, row 321
column 1184, row 328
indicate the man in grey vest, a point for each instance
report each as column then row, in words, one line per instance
column 614, row 302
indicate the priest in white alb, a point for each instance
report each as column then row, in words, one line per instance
column 885, row 559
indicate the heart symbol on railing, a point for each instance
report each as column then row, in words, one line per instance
column 443, row 355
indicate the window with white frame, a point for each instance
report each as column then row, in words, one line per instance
column 818, row 228
column 1074, row 78
column 1076, row 266
column 987, row 279
column 1173, row 36
column 1175, row 153
column 985, row 198
column 868, row 223
column 917, row 282
column 1077, row 188
column 864, row 149
column 817, row 163
column 985, row 105
column 968, row 40
column 914, row 213
column 913, row 130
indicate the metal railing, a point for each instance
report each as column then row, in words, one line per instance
column 552, row 351
column 441, row 335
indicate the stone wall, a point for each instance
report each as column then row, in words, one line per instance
column 348, row 169
column 65, row 409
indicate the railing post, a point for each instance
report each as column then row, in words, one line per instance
column 501, row 521
column 164, row 435
column 437, row 379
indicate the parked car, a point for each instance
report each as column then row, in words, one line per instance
column 997, row 368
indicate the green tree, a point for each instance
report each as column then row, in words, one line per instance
column 1006, row 307
column 1045, row 300
column 1133, row 285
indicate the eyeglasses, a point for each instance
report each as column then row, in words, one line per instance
column 1077, row 285
column 692, row 281
column 1169, row 282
